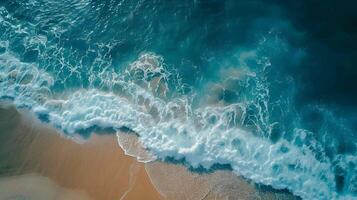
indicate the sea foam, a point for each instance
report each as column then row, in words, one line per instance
column 202, row 136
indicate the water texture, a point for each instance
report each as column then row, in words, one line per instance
column 266, row 87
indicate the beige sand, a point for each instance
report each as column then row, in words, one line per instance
column 33, row 186
column 96, row 169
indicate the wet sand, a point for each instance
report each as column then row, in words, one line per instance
column 176, row 182
column 33, row 186
column 37, row 163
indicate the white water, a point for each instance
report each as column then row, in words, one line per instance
column 171, row 127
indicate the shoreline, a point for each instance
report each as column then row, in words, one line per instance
column 104, row 166
column 97, row 167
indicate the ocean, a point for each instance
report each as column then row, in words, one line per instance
column 267, row 88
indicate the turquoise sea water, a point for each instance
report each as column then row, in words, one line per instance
column 266, row 87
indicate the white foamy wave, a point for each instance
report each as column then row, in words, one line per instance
column 132, row 146
column 203, row 136
column 149, row 72
column 24, row 83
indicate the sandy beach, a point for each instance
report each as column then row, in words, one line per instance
column 37, row 162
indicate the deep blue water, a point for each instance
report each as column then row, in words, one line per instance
column 266, row 87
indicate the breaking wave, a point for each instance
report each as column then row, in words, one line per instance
column 242, row 115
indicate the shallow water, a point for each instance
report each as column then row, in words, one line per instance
column 262, row 86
